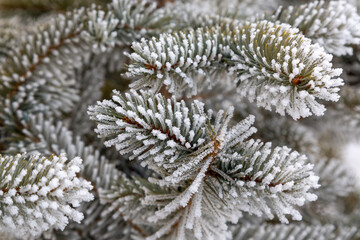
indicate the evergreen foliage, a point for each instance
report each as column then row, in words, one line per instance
column 36, row 193
column 135, row 119
column 214, row 162
column 332, row 24
column 271, row 62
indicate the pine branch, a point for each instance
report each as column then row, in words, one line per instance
column 99, row 171
column 265, row 180
column 201, row 172
column 332, row 24
column 100, row 29
column 37, row 193
column 276, row 66
column 286, row 71
column 226, row 170
column 10, row 29
column 39, row 77
column 31, row 79
column 139, row 19
column 174, row 59
column 138, row 200
column 151, row 128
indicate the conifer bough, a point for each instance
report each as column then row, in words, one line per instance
column 278, row 67
column 190, row 149
column 275, row 66
column 39, row 193
column 194, row 174
column 332, row 24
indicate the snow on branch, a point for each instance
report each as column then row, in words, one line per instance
column 275, row 65
column 31, row 79
column 174, row 59
column 39, row 77
column 332, row 24
column 100, row 29
column 202, row 171
column 42, row 135
column 265, row 181
column 139, row 19
column 39, row 193
column 225, row 170
column 10, row 30
column 151, row 128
